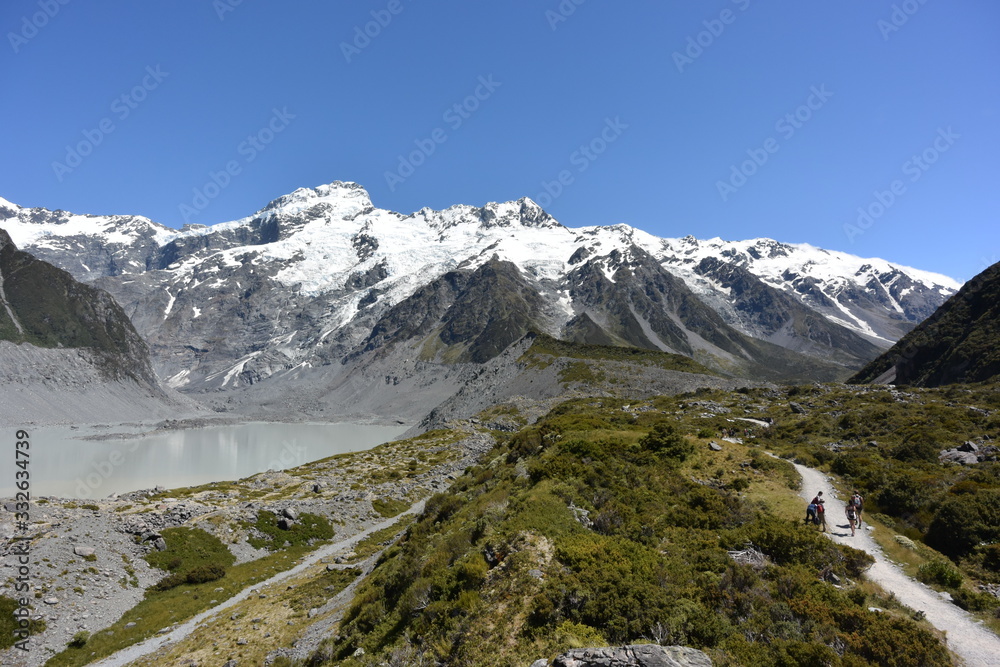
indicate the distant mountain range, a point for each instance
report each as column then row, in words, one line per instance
column 959, row 343
column 320, row 288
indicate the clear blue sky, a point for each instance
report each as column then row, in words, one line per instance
column 896, row 89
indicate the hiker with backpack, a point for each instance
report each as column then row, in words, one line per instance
column 857, row 501
column 852, row 516
column 815, row 512
column 821, row 516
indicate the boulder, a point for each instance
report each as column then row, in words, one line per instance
column 797, row 409
column 285, row 523
column 637, row 655
column 955, row 456
column 289, row 513
column 160, row 544
column 85, row 552
column 714, row 446
column 968, row 446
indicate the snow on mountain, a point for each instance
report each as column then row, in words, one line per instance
column 323, row 263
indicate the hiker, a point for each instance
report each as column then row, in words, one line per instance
column 857, row 501
column 817, row 499
column 852, row 516
column 821, row 516
column 811, row 513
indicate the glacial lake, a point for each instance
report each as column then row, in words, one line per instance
column 63, row 465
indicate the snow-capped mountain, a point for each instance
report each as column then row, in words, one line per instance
column 322, row 276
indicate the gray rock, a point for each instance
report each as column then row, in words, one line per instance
column 285, row 523
column 84, row 551
column 715, row 447
column 797, row 409
column 289, row 513
column 160, row 544
column 637, row 655
column 955, row 456
column 968, row 446
column 51, row 600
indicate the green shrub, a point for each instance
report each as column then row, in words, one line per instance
column 389, row 507
column 940, row 572
column 963, row 522
column 192, row 556
column 975, row 601
column 9, row 625
column 203, row 573
column 917, row 448
column 308, row 528
column 188, row 548
column 80, row 639
column 665, row 440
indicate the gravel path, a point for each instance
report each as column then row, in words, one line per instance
column 136, row 651
column 967, row 637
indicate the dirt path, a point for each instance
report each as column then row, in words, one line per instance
column 967, row 637
column 136, row 651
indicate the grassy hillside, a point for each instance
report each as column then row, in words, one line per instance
column 606, row 524
column 544, row 345
column 958, row 343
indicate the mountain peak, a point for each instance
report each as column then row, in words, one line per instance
column 523, row 212
column 337, row 193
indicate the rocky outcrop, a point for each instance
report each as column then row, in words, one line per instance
column 638, row 655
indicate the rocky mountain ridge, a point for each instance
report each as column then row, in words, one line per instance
column 321, row 278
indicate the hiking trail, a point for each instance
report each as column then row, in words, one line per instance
column 967, row 637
